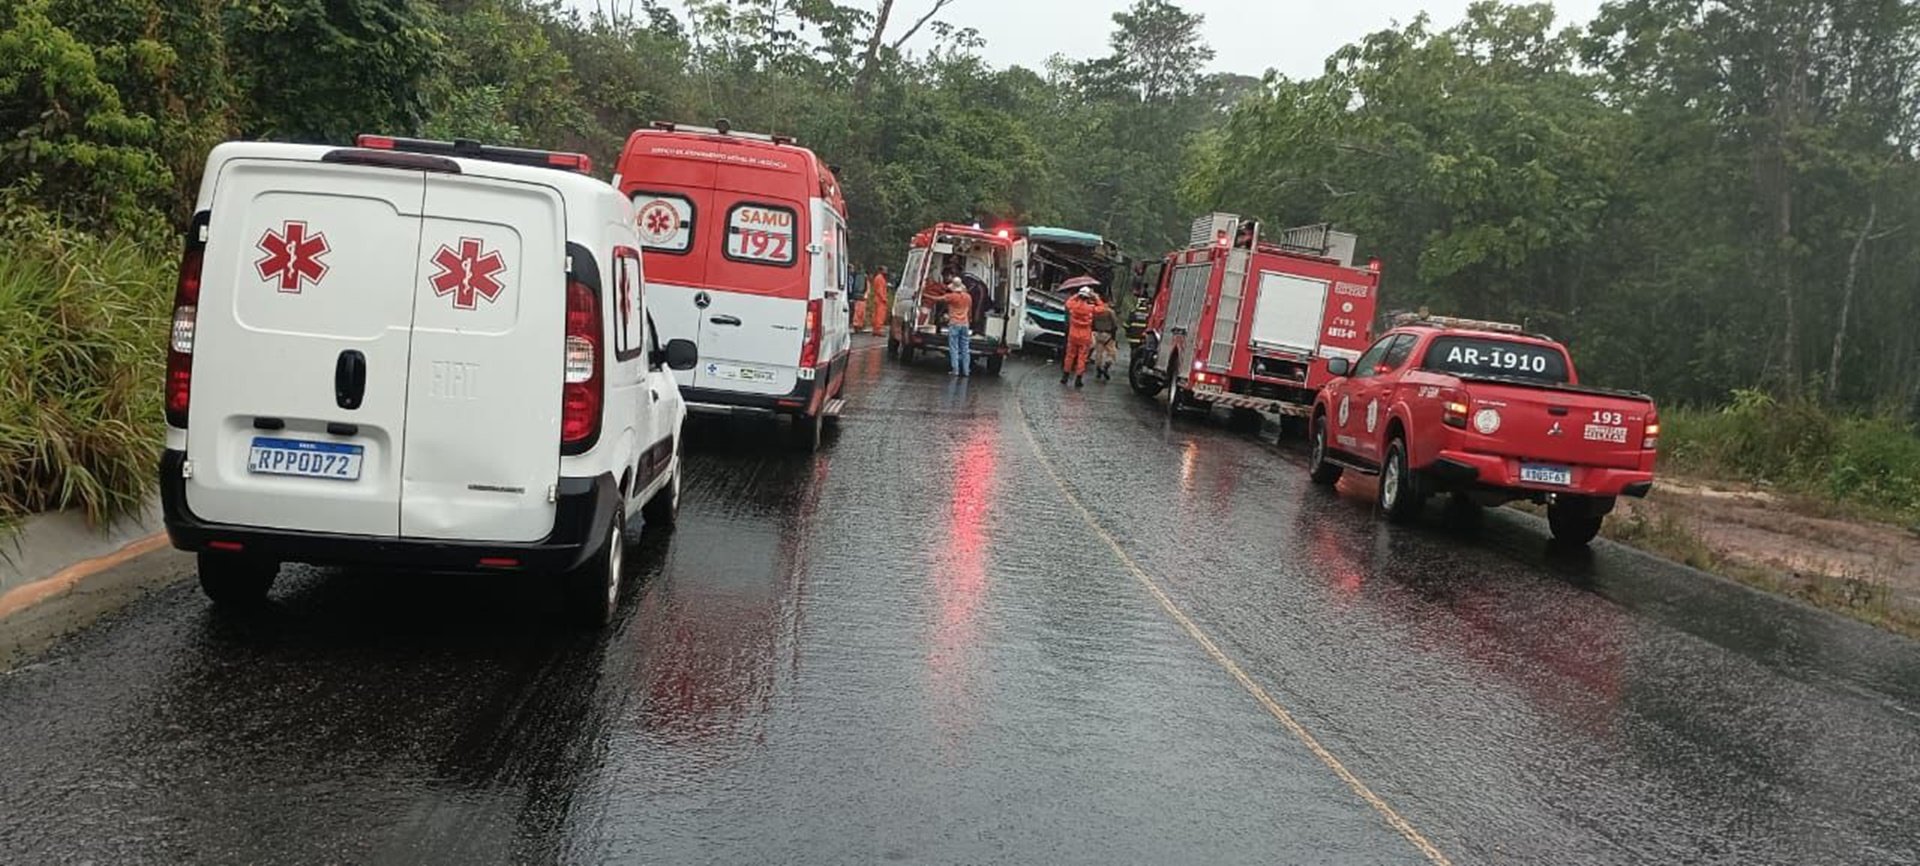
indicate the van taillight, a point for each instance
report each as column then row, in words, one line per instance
column 810, row 342
column 186, row 305
column 581, row 394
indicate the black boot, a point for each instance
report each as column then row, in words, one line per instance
column 1079, row 381
column 1063, row 377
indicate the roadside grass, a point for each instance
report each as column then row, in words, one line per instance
column 1863, row 597
column 1853, row 467
column 83, row 324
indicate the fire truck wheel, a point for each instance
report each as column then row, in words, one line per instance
column 1142, row 384
column 1322, row 471
column 1574, row 523
column 1245, row 420
column 1400, row 493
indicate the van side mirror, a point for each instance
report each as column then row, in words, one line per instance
column 679, row 355
column 1336, row 366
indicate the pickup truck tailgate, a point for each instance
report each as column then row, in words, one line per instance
column 1580, row 427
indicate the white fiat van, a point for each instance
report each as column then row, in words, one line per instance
column 419, row 354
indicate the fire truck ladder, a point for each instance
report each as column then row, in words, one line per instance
column 1226, row 316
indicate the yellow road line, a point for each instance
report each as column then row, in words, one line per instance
column 28, row 595
column 1286, row 719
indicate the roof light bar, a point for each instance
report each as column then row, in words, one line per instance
column 469, row 149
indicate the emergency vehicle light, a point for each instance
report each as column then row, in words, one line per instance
column 1453, row 322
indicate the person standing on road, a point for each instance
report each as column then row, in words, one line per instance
column 959, row 327
column 1081, row 309
column 877, row 301
column 1106, row 342
column 857, row 294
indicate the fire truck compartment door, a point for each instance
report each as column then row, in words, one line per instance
column 1287, row 315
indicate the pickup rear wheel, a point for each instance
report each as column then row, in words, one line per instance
column 1319, row 468
column 1401, row 495
column 1573, row 523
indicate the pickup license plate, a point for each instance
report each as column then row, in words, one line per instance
column 305, row 459
column 741, row 373
column 1557, row 475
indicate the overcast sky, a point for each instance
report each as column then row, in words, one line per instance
column 1249, row 36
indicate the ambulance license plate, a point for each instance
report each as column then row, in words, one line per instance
column 742, row 373
column 1557, row 475
column 305, row 459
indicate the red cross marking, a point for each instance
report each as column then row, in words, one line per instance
column 468, row 273
column 292, row 256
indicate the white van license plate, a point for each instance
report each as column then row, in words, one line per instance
column 1559, row 475
column 305, row 459
column 742, row 373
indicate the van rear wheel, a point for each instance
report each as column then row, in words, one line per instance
column 809, row 430
column 236, row 581
column 593, row 589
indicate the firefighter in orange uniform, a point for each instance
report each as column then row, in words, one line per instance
column 877, row 302
column 1081, row 309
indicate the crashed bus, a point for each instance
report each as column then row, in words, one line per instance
column 1054, row 256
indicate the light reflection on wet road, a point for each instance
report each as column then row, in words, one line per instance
column 913, row 647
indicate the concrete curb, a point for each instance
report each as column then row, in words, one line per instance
column 60, row 575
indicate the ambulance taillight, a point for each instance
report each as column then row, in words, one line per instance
column 186, row 305
column 581, row 392
column 810, row 341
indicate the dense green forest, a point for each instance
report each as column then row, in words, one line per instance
column 1702, row 196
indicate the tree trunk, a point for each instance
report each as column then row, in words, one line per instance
column 865, row 79
column 1846, row 301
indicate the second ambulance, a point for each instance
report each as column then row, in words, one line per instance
column 746, row 247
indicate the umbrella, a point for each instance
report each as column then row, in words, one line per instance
column 1078, row 282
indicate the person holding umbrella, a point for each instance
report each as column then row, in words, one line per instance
column 1081, row 310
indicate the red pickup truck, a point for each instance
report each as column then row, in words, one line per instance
column 1489, row 414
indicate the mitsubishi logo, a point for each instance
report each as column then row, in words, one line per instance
column 702, row 300
column 1554, row 430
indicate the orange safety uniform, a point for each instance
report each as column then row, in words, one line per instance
column 1080, row 313
column 877, row 304
column 959, row 308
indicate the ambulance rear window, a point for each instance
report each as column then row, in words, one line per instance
column 1491, row 356
column 665, row 221
column 762, row 234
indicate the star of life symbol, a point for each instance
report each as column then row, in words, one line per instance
column 468, row 273
column 658, row 222
column 292, row 256
column 1373, row 415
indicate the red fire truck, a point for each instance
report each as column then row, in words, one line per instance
column 1249, row 323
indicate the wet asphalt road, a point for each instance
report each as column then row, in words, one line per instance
column 993, row 621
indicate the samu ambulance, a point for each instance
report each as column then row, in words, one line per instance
column 746, row 240
column 415, row 354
